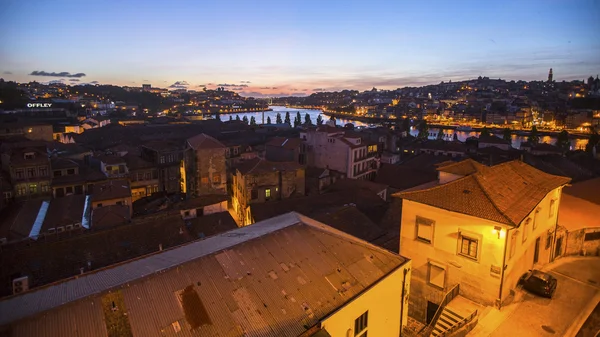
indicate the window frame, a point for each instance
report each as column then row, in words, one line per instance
column 552, row 210
column 526, row 229
column 434, row 264
column 513, row 245
column 361, row 324
column 470, row 239
column 425, row 222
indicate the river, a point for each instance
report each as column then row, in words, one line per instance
column 576, row 143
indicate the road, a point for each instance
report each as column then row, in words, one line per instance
column 578, row 285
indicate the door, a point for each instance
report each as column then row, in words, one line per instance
column 431, row 310
column 536, row 252
column 558, row 248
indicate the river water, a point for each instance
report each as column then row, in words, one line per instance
column 576, row 143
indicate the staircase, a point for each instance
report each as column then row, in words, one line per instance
column 448, row 319
column 458, row 312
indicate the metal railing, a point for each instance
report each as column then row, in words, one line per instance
column 449, row 296
column 459, row 325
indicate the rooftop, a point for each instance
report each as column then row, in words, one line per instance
column 259, row 165
column 504, row 193
column 204, row 141
column 463, row 168
column 229, row 287
column 112, row 189
column 284, row 142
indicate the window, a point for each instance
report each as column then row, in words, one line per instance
column 43, row 171
column 436, row 275
column 162, row 159
column 535, row 216
column 33, row 189
column 69, row 190
column 526, row 229
column 548, row 241
column 361, row 324
column 468, row 246
column 216, row 178
column 99, row 205
column 19, row 174
column 170, row 158
column 7, row 196
column 552, row 207
column 70, row 172
column 424, row 229
column 254, row 194
column 121, row 169
column 513, row 244
column 186, row 214
column 204, row 180
column 267, row 193
column 57, row 173
column 119, row 203
column 29, row 155
column 31, row 172
column 45, row 187
column 148, row 175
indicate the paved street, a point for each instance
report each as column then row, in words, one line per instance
column 578, row 285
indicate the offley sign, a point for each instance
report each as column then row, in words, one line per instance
column 39, row 105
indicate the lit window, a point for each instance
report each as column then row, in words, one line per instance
column 216, row 178
column 33, row 189
column 424, row 228
column 468, row 246
column 268, row 193
column 436, row 275
column 361, row 324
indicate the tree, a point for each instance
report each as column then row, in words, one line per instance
column 455, row 138
column 278, row 119
column 252, row 121
column 230, row 118
column 332, row 120
column 218, row 116
column 299, row 117
column 507, row 134
column 297, row 122
column 319, row 120
column 245, row 119
column 288, row 121
column 534, row 137
column 237, row 117
column 268, row 120
column 440, row 135
column 485, row 132
column 423, row 129
column 307, row 120
column 562, row 140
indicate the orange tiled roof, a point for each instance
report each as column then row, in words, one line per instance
column 504, row 193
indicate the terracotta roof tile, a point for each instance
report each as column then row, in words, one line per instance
column 463, row 168
column 204, row 141
column 504, row 193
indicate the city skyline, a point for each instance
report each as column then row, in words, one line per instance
column 275, row 48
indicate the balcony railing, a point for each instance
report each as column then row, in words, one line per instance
column 449, row 296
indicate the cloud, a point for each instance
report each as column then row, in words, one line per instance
column 201, row 86
column 231, row 85
column 211, row 84
column 56, row 81
column 274, row 88
column 7, row 73
column 179, row 85
column 53, row 74
column 245, row 82
column 74, row 80
column 318, row 89
column 294, row 89
column 238, row 88
column 146, row 80
column 265, row 88
column 94, row 82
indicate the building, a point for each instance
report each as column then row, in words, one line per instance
column 113, row 166
column 167, row 156
column 217, row 287
column 493, row 141
column 259, row 181
column 28, row 165
column 282, row 149
column 205, row 166
column 27, row 129
column 143, row 176
column 550, row 76
column 112, row 192
column 341, row 150
column 479, row 228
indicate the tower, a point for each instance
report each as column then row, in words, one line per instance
column 550, row 76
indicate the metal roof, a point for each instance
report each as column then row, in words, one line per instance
column 274, row 278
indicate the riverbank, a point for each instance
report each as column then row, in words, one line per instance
column 235, row 111
column 497, row 130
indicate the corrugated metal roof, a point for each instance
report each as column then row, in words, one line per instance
column 39, row 220
column 274, row 278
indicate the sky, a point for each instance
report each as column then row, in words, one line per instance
column 279, row 47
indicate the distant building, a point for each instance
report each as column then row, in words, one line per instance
column 112, row 192
column 29, row 130
column 205, row 168
column 167, row 156
column 258, row 181
column 550, row 76
column 218, row 286
column 283, row 149
column 146, row 87
column 341, row 150
column 29, row 168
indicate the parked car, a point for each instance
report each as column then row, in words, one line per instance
column 539, row 283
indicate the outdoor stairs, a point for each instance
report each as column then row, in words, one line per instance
column 454, row 313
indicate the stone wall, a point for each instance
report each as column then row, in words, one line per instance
column 583, row 241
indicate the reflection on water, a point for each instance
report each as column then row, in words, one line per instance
column 261, row 118
column 516, row 140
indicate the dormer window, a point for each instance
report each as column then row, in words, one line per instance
column 29, row 155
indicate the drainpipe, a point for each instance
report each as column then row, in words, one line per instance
column 502, row 270
column 402, row 303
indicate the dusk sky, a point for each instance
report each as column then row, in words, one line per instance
column 297, row 47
